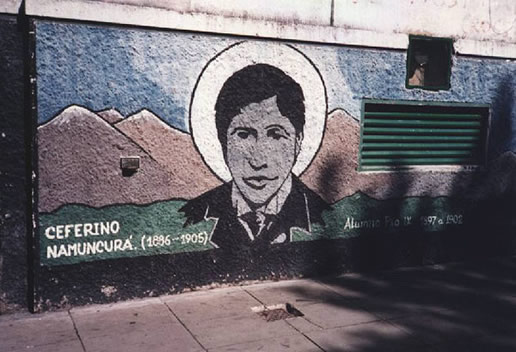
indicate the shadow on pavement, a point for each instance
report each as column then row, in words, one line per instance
column 457, row 307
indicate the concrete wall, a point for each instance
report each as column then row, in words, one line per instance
column 149, row 90
column 13, row 169
column 105, row 92
column 479, row 27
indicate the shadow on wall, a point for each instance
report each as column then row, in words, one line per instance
column 13, row 195
column 371, row 250
column 487, row 196
column 492, row 190
column 486, row 203
column 466, row 307
column 503, row 127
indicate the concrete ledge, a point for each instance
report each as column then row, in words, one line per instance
column 478, row 27
column 303, row 20
column 10, row 6
column 117, row 13
column 486, row 48
column 472, row 19
column 283, row 11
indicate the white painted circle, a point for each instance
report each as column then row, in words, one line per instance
column 233, row 59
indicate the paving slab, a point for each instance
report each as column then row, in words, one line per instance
column 441, row 327
column 376, row 336
column 475, row 346
column 294, row 343
column 135, row 326
column 331, row 315
column 25, row 332
column 355, row 284
column 225, row 318
column 469, row 307
column 351, row 288
column 495, row 334
column 296, row 292
column 122, row 318
column 62, row 346
column 211, row 304
column 393, row 308
column 238, row 329
column 454, row 285
column 169, row 338
column 303, row 325
column 396, row 299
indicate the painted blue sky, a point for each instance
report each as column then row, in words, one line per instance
column 103, row 67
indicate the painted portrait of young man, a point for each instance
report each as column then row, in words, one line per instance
column 260, row 123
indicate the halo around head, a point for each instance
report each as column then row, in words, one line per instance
column 221, row 67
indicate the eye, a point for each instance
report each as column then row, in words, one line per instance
column 276, row 133
column 243, row 134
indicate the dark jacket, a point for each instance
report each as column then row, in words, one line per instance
column 302, row 208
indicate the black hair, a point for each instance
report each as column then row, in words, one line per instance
column 253, row 84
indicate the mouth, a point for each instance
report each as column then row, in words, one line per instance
column 258, row 182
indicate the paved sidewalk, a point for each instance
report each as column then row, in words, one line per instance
column 455, row 307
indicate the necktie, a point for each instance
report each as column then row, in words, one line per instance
column 255, row 221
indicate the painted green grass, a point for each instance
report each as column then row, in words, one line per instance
column 158, row 228
column 360, row 214
column 151, row 229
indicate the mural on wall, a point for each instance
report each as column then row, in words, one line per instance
column 250, row 129
column 240, row 145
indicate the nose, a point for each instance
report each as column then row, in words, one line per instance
column 258, row 159
column 257, row 164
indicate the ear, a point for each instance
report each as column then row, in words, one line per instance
column 299, row 141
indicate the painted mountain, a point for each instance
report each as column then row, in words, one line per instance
column 111, row 116
column 173, row 150
column 80, row 151
column 79, row 162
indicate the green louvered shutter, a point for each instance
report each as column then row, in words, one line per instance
column 406, row 134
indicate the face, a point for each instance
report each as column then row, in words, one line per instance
column 262, row 148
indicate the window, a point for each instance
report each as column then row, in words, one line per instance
column 397, row 135
column 429, row 63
